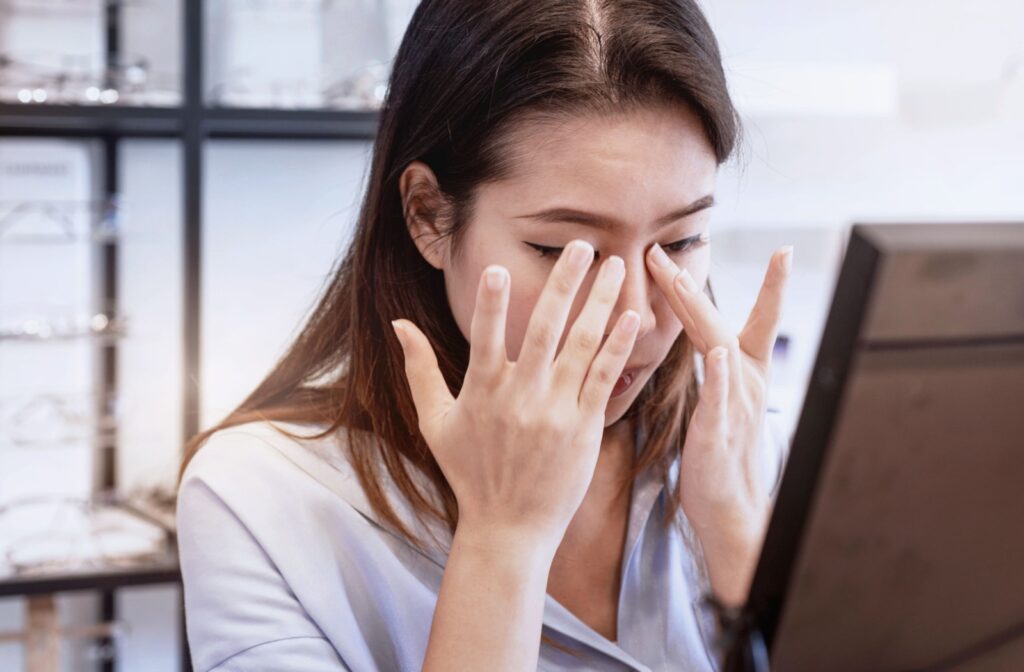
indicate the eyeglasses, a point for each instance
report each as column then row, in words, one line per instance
column 344, row 81
column 46, row 534
column 96, row 326
column 363, row 89
column 83, row 79
column 50, row 420
column 41, row 221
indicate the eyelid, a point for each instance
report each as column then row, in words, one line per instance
column 702, row 237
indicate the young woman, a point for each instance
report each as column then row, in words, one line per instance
column 515, row 433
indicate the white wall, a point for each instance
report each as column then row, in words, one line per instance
column 858, row 111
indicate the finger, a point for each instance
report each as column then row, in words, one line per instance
column 758, row 335
column 691, row 329
column 706, row 328
column 608, row 364
column 544, row 331
column 587, row 332
column 734, row 362
column 487, row 354
column 708, row 322
column 430, row 392
column 664, row 271
column 711, row 414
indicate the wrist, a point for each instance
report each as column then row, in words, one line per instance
column 731, row 561
column 506, row 547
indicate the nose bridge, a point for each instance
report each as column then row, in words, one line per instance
column 635, row 293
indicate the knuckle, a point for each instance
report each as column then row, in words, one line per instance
column 585, row 340
column 605, row 375
column 542, row 336
column 563, row 284
column 515, row 419
column 504, row 423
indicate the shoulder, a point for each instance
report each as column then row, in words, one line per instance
column 243, row 451
column 267, row 486
column 258, row 549
column 253, row 463
column 268, row 477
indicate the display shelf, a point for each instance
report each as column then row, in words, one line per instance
column 42, row 119
column 253, row 123
column 46, row 120
column 161, row 570
column 191, row 125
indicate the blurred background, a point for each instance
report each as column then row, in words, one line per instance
column 177, row 178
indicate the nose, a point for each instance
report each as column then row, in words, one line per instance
column 635, row 295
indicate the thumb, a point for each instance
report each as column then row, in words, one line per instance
column 430, row 392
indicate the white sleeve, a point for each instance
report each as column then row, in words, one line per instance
column 240, row 613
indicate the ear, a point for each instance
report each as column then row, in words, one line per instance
column 425, row 208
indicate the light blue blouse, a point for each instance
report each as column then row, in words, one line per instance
column 286, row 567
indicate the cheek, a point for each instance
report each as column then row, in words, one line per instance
column 461, row 286
column 523, row 302
column 668, row 322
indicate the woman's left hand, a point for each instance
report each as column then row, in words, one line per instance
column 723, row 485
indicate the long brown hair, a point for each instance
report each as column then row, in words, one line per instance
column 465, row 74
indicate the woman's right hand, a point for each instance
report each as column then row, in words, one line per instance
column 520, row 443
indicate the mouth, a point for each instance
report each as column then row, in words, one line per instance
column 626, row 380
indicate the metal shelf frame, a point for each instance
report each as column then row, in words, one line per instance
column 192, row 123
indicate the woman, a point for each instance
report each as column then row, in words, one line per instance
column 494, row 445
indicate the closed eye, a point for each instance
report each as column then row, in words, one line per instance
column 678, row 247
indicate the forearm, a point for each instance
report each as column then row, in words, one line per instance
column 490, row 606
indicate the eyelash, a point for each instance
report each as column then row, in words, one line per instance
column 683, row 245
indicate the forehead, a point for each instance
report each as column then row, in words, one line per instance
column 637, row 165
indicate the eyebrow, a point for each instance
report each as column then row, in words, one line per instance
column 610, row 223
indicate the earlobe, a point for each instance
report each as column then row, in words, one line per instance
column 422, row 208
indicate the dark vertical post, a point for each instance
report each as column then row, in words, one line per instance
column 192, row 139
column 106, row 441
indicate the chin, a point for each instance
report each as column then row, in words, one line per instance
column 617, row 408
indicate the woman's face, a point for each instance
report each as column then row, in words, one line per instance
column 631, row 172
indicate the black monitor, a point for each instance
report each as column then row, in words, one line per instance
column 897, row 537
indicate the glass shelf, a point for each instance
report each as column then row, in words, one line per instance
column 61, row 52
column 98, row 326
column 47, row 420
column 339, row 53
column 58, row 222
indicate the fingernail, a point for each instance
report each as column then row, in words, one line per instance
column 399, row 332
column 580, row 254
column 686, row 281
column 630, row 321
column 787, row 258
column 658, row 256
column 495, row 278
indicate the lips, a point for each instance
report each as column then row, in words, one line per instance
column 633, row 370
